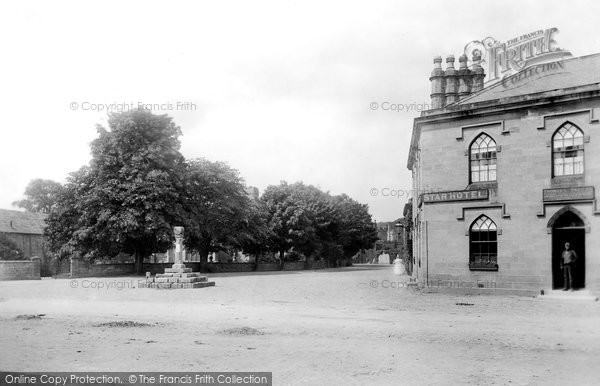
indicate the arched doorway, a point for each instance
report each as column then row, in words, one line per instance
column 568, row 227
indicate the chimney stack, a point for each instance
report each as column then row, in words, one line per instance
column 478, row 73
column 451, row 85
column 438, row 99
column 451, row 81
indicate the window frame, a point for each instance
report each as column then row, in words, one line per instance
column 577, row 148
column 470, row 160
column 492, row 228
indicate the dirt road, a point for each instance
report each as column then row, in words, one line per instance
column 339, row 327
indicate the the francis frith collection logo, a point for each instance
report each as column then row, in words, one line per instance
column 501, row 60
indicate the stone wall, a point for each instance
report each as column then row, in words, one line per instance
column 20, row 269
column 294, row 266
column 82, row 268
column 228, row 267
column 33, row 245
column 311, row 264
column 268, row 267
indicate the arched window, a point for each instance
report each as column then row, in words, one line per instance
column 567, row 150
column 482, row 159
column 483, row 245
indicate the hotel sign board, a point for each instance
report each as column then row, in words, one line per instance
column 569, row 194
column 456, row 195
column 517, row 54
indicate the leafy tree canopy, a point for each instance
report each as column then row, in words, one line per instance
column 40, row 196
column 9, row 250
column 138, row 186
column 130, row 196
column 312, row 222
column 219, row 211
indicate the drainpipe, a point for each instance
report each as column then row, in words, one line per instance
column 427, row 252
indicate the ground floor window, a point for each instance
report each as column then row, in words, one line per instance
column 483, row 245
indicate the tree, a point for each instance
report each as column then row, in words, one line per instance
column 220, row 214
column 319, row 210
column 130, row 196
column 65, row 217
column 355, row 229
column 40, row 196
column 314, row 223
column 298, row 216
column 9, row 250
column 280, row 216
column 256, row 234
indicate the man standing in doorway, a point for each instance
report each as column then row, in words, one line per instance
column 569, row 257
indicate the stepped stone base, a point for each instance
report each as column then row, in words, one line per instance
column 177, row 285
column 178, row 270
column 177, row 277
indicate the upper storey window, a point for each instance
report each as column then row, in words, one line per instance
column 482, row 159
column 567, row 150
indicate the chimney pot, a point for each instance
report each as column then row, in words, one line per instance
column 463, row 61
column 451, row 81
column 464, row 78
column 478, row 73
column 438, row 84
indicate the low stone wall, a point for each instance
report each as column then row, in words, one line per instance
column 294, row 266
column 228, row 267
column 315, row 265
column 249, row 267
column 20, row 269
column 83, row 268
column 268, row 267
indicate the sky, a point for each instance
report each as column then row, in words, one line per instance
column 280, row 90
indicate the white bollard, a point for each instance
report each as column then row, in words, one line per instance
column 398, row 266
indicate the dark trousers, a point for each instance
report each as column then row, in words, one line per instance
column 568, row 271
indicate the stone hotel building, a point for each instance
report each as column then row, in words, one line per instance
column 507, row 174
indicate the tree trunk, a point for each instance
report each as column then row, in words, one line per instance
column 139, row 263
column 281, row 259
column 203, row 252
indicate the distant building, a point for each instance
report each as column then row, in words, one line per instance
column 27, row 231
column 252, row 192
column 387, row 231
column 394, row 238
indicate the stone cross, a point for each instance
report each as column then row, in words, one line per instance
column 179, row 250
